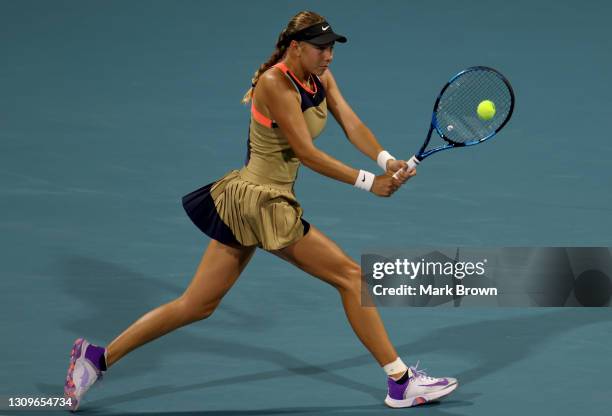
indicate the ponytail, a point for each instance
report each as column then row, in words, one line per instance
column 277, row 55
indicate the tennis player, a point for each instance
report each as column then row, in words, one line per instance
column 256, row 207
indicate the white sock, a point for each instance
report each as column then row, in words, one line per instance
column 395, row 367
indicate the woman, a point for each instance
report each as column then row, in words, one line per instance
column 256, row 207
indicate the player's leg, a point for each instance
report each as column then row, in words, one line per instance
column 218, row 270
column 319, row 256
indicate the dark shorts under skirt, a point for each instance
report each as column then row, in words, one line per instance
column 234, row 211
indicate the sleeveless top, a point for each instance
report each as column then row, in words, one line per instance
column 270, row 158
column 256, row 205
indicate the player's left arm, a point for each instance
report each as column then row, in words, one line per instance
column 355, row 130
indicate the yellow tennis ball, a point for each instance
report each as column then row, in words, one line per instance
column 486, row 110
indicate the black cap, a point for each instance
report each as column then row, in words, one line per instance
column 318, row 34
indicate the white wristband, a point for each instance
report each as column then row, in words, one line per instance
column 383, row 158
column 364, row 180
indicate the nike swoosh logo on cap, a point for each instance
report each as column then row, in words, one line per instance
column 325, row 27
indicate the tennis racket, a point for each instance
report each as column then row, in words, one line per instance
column 471, row 108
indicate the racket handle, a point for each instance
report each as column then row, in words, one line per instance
column 412, row 163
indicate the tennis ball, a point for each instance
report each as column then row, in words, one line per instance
column 486, row 110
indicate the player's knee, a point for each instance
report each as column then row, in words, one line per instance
column 196, row 310
column 349, row 278
column 203, row 311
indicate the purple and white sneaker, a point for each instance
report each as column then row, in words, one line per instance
column 87, row 362
column 417, row 388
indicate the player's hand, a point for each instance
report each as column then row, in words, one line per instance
column 395, row 165
column 384, row 185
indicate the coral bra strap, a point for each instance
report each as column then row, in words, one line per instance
column 260, row 118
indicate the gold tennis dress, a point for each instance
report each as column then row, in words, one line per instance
column 256, row 205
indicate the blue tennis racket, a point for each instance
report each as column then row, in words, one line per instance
column 471, row 108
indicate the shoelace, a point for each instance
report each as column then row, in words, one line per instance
column 421, row 373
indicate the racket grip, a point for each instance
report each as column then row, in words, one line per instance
column 412, row 163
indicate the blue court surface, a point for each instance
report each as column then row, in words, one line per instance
column 111, row 111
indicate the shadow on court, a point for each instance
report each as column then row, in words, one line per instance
column 112, row 297
column 491, row 344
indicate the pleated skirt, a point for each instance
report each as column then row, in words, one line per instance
column 236, row 211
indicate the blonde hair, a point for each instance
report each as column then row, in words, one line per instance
column 298, row 22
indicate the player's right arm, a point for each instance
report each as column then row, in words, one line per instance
column 276, row 96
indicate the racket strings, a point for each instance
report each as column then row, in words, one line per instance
column 456, row 114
